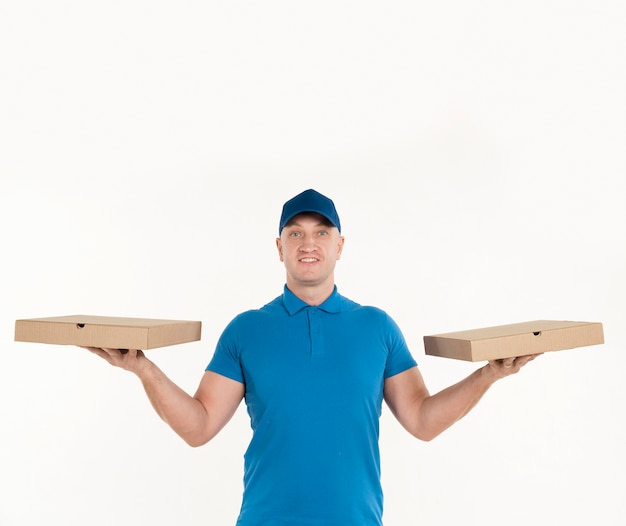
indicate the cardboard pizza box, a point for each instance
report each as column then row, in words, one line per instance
column 518, row 339
column 106, row 331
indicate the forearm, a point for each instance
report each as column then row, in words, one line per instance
column 182, row 412
column 196, row 419
column 424, row 415
column 439, row 411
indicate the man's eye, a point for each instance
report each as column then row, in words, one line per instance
column 322, row 233
column 295, row 234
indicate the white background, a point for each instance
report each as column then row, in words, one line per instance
column 476, row 152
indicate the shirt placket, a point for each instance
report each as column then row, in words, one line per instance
column 315, row 331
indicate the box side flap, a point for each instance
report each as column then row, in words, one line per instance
column 519, row 339
column 103, row 331
column 173, row 334
column 448, row 347
column 536, row 342
column 79, row 333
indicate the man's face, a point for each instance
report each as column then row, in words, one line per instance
column 309, row 247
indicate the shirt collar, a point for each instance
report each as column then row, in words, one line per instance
column 333, row 304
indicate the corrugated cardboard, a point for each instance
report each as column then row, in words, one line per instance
column 108, row 332
column 518, row 339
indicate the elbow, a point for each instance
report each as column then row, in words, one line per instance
column 424, row 437
column 420, row 430
column 196, row 441
column 427, row 437
column 197, row 438
column 426, row 434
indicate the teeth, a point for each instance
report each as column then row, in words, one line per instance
column 308, row 260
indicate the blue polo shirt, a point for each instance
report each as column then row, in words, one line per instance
column 314, row 389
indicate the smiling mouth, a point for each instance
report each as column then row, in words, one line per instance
column 308, row 260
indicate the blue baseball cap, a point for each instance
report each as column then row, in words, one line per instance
column 309, row 201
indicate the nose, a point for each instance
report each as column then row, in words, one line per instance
column 308, row 243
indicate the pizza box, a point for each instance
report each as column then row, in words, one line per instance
column 518, row 339
column 106, row 331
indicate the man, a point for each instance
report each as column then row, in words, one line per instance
column 313, row 367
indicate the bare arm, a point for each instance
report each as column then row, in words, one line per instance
column 196, row 419
column 424, row 415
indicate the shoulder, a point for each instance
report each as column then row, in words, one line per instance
column 348, row 305
column 367, row 313
column 370, row 316
column 259, row 315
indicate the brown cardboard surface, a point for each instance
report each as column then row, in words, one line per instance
column 106, row 331
column 518, row 339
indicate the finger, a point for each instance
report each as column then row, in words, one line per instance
column 523, row 360
column 105, row 354
column 508, row 363
column 124, row 353
column 110, row 355
column 117, row 352
column 96, row 350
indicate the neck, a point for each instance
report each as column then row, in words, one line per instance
column 312, row 295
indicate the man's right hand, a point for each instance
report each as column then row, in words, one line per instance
column 133, row 360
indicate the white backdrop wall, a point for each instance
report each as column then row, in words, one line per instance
column 476, row 153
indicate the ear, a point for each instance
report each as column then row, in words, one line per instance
column 279, row 246
column 340, row 247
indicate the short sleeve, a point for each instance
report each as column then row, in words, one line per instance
column 226, row 359
column 399, row 358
